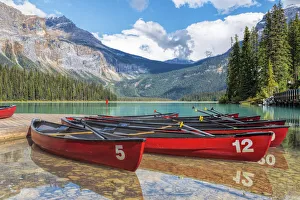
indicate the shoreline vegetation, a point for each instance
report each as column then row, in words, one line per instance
column 17, row 84
column 121, row 101
column 262, row 65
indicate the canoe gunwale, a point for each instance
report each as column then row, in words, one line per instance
column 184, row 135
column 83, row 139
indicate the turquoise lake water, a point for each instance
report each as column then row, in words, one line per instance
column 185, row 109
column 30, row 173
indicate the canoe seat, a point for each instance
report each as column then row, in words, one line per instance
column 62, row 128
column 49, row 129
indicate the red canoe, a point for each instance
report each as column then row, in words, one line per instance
column 80, row 144
column 7, row 111
column 223, row 118
column 242, row 147
column 280, row 132
column 229, row 146
column 193, row 122
column 279, row 135
column 158, row 115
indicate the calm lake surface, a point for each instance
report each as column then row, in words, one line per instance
column 30, row 173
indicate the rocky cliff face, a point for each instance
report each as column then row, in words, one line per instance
column 57, row 45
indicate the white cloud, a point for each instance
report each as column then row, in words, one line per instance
column 290, row 2
column 25, row 7
column 215, row 36
column 150, row 39
column 96, row 35
column 222, row 5
column 139, row 5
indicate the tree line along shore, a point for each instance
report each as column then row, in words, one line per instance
column 261, row 66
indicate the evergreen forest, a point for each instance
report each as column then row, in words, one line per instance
column 18, row 84
column 265, row 63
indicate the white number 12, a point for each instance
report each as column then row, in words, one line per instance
column 119, row 152
column 246, row 149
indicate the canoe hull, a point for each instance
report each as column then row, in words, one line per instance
column 7, row 112
column 220, row 147
column 216, row 148
column 102, row 152
column 278, row 137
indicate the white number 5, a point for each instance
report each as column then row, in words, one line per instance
column 119, row 152
column 247, row 148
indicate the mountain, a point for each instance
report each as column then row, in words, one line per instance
column 290, row 13
column 206, row 75
column 179, row 61
column 57, row 45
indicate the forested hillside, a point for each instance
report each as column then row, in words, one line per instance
column 19, row 84
column 205, row 76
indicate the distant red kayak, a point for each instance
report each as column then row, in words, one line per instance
column 227, row 146
column 83, row 145
column 7, row 111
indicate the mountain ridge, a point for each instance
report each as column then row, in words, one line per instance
column 57, row 45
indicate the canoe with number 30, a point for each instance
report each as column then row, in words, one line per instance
column 84, row 145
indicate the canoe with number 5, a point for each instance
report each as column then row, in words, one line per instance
column 85, row 145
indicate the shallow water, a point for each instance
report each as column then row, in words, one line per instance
column 30, row 173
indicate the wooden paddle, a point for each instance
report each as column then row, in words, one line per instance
column 71, row 133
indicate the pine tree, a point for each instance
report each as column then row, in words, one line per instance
column 254, row 62
column 246, row 67
column 279, row 49
column 271, row 84
column 294, row 42
column 233, row 80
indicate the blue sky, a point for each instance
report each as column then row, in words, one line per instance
column 158, row 29
column 113, row 16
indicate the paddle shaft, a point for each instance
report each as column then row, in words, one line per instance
column 223, row 117
column 216, row 112
column 203, row 132
column 222, row 124
column 92, row 129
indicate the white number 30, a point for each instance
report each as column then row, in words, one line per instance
column 246, row 142
column 119, row 152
